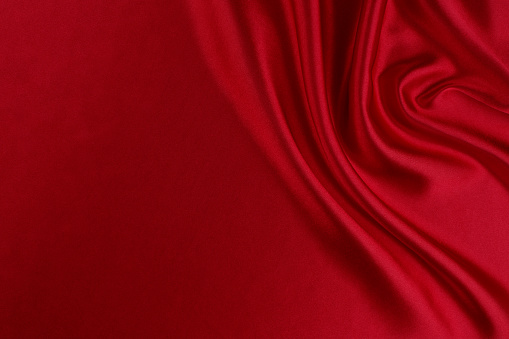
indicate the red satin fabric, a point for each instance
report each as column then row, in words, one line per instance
column 390, row 119
column 214, row 168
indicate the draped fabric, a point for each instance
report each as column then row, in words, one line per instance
column 390, row 118
column 254, row 168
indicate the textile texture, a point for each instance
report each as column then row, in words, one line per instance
column 254, row 169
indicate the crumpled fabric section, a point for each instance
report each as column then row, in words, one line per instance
column 388, row 120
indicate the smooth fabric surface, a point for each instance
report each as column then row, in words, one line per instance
column 288, row 169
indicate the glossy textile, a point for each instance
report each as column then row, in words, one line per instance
column 254, row 168
column 390, row 119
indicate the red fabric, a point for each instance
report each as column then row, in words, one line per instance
column 214, row 168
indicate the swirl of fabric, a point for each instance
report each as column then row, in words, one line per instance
column 388, row 120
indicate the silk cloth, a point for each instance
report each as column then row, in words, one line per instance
column 265, row 168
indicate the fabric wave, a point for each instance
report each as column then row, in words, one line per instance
column 389, row 120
